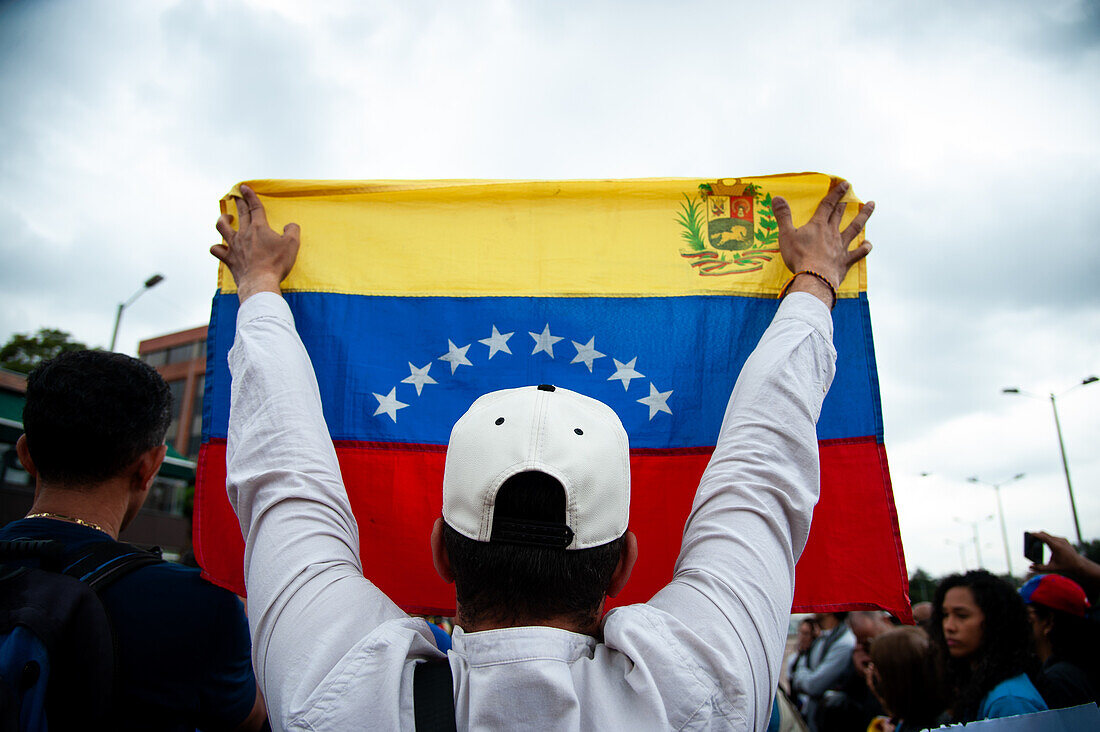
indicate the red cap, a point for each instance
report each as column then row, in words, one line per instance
column 1057, row 593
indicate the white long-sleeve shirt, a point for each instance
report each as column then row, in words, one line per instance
column 332, row 652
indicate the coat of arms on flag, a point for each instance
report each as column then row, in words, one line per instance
column 729, row 228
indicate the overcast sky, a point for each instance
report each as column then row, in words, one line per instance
column 974, row 126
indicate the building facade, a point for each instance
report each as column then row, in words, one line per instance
column 180, row 358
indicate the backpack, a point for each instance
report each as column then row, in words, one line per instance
column 57, row 648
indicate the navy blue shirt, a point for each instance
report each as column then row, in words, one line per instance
column 184, row 653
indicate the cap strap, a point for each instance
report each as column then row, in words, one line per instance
column 533, row 533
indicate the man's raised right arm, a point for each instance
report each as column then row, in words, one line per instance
column 308, row 600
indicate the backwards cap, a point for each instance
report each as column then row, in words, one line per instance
column 1057, row 593
column 573, row 438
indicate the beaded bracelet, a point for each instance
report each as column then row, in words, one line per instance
column 823, row 278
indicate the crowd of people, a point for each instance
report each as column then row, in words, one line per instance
column 534, row 535
column 982, row 649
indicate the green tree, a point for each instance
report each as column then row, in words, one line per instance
column 24, row 351
column 922, row 586
column 1091, row 549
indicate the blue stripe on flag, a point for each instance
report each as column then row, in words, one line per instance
column 368, row 350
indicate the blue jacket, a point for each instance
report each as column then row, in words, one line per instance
column 1011, row 697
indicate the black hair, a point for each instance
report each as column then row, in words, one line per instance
column 91, row 414
column 1073, row 639
column 514, row 584
column 1005, row 649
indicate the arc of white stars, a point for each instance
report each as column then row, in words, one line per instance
column 456, row 356
column 587, row 353
column 656, row 401
column 544, row 341
column 497, row 342
column 389, row 405
column 419, row 377
column 624, row 372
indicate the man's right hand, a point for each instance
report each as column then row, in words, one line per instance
column 259, row 257
column 819, row 244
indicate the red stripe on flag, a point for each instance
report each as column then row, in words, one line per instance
column 395, row 520
column 855, row 542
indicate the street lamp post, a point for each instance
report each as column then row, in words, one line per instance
column 1000, row 511
column 977, row 542
column 1061, row 443
column 962, row 551
column 149, row 283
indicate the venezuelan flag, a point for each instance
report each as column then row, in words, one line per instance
column 415, row 297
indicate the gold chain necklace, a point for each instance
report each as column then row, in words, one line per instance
column 74, row 519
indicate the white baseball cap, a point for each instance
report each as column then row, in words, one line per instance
column 577, row 440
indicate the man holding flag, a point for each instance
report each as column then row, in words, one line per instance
column 534, row 531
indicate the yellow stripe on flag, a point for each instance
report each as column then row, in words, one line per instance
column 642, row 237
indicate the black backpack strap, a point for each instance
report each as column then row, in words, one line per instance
column 47, row 552
column 43, row 549
column 433, row 697
column 108, row 561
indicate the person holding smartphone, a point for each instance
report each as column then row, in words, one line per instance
column 1066, row 641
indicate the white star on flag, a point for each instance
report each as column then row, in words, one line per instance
column 497, row 342
column 587, row 353
column 656, row 401
column 389, row 405
column 544, row 341
column 456, row 356
column 419, row 377
column 624, row 372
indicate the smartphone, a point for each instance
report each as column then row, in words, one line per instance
column 1033, row 548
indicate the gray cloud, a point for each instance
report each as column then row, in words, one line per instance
column 973, row 127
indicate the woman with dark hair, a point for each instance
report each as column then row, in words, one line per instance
column 1068, row 643
column 904, row 679
column 982, row 639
